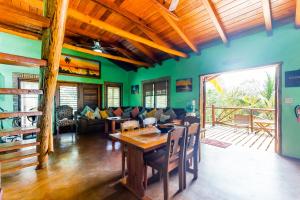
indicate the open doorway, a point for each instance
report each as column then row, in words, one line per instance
column 241, row 108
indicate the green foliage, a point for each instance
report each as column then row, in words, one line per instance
column 248, row 94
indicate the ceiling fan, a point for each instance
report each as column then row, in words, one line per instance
column 173, row 5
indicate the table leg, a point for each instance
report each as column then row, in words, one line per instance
column 106, row 127
column 135, row 168
column 113, row 126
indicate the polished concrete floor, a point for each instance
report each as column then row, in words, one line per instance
column 89, row 169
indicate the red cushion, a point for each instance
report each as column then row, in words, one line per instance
column 135, row 112
column 118, row 112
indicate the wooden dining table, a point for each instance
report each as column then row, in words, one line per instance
column 138, row 142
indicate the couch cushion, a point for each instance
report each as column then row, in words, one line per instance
column 86, row 109
column 135, row 112
column 104, row 114
column 90, row 115
column 158, row 113
column 164, row 118
column 97, row 113
column 118, row 112
column 171, row 112
column 110, row 112
column 151, row 113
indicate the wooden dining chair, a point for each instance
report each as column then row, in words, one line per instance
column 192, row 150
column 167, row 160
column 149, row 121
column 127, row 126
column 188, row 120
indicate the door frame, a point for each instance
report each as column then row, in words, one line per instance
column 278, row 99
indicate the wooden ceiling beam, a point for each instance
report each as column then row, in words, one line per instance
column 117, row 31
column 215, row 19
column 18, row 16
column 138, row 22
column 113, row 7
column 161, row 8
column 176, row 28
column 267, row 14
column 93, row 36
column 297, row 16
column 109, row 56
column 144, row 50
column 18, row 32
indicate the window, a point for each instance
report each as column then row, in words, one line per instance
column 113, row 94
column 28, row 102
column 156, row 93
column 68, row 95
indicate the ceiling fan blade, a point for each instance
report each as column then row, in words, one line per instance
column 173, row 5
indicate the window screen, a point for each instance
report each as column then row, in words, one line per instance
column 68, row 95
column 113, row 96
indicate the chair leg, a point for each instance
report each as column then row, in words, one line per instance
column 199, row 152
column 181, row 176
column 184, row 174
column 195, row 166
column 123, row 164
column 145, row 177
column 166, row 184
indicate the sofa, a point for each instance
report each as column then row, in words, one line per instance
column 86, row 125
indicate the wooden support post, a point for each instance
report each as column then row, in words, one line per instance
column 213, row 115
column 251, row 120
column 52, row 41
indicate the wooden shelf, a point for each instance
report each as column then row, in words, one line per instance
column 10, row 59
column 19, row 155
column 15, row 91
column 12, row 167
column 4, row 115
column 18, row 131
column 17, row 145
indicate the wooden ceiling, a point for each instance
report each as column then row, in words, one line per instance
column 145, row 30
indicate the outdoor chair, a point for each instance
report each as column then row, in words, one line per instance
column 241, row 121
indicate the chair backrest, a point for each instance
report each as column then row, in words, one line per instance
column 130, row 125
column 188, row 120
column 64, row 111
column 176, row 144
column 150, row 121
column 193, row 136
column 241, row 119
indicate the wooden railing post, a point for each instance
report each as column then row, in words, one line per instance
column 251, row 120
column 52, row 41
column 213, row 115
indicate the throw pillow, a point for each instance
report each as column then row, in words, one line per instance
column 85, row 110
column 151, row 113
column 90, row 115
column 158, row 113
column 128, row 109
column 164, row 118
column 171, row 113
column 97, row 113
column 110, row 112
column 142, row 115
column 104, row 114
column 135, row 112
column 126, row 114
column 118, row 112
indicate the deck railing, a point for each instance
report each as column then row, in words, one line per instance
column 225, row 115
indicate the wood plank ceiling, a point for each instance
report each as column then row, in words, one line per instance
column 193, row 24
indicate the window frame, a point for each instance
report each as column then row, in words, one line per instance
column 153, row 81
column 113, row 84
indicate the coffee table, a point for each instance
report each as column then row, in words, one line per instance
column 113, row 121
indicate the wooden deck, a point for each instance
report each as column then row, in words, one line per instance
column 242, row 138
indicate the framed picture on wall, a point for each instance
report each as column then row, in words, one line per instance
column 76, row 66
column 135, row 89
column 184, row 85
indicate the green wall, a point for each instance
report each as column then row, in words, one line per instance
column 32, row 48
column 252, row 50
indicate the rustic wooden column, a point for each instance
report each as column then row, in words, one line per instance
column 52, row 41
